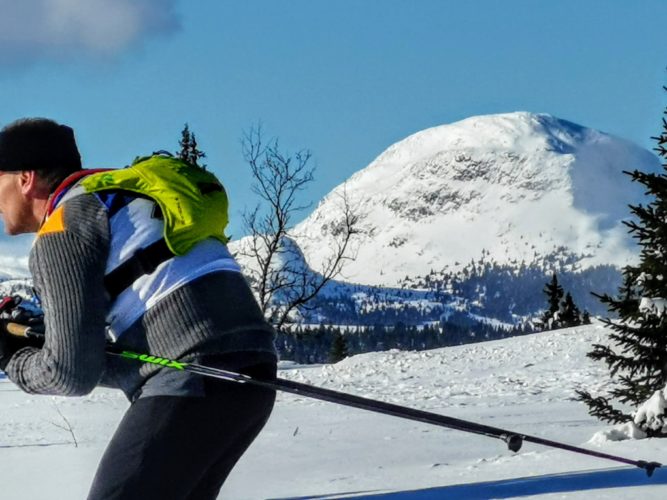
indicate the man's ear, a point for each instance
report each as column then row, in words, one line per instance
column 31, row 184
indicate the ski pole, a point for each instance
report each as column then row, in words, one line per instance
column 513, row 440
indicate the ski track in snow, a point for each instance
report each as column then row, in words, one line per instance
column 311, row 448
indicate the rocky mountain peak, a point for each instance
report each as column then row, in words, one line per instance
column 517, row 185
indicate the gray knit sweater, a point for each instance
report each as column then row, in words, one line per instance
column 213, row 318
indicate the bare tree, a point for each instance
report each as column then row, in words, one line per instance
column 283, row 284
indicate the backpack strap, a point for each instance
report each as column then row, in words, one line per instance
column 144, row 261
column 65, row 186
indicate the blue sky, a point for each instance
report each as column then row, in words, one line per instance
column 344, row 78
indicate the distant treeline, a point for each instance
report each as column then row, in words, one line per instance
column 510, row 293
column 327, row 343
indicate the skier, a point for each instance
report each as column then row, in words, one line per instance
column 112, row 262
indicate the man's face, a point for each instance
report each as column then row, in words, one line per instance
column 15, row 209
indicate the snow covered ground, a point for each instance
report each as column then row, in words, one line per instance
column 316, row 449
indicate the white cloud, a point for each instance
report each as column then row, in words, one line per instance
column 57, row 29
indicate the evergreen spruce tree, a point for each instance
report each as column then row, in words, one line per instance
column 189, row 150
column 338, row 350
column 569, row 314
column 586, row 318
column 637, row 356
column 554, row 293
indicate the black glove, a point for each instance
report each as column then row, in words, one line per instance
column 12, row 312
column 9, row 343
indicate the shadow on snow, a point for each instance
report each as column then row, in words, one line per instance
column 510, row 488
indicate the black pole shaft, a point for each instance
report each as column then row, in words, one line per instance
column 513, row 439
column 346, row 399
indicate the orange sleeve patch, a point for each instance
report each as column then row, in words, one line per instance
column 54, row 224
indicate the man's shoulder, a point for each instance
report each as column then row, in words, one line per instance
column 84, row 215
column 80, row 210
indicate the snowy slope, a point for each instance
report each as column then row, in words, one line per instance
column 520, row 186
column 313, row 448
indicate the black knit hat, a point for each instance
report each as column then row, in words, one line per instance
column 38, row 144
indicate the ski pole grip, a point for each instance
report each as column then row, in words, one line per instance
column 18, row 330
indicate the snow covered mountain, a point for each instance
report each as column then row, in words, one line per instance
column 516, row 187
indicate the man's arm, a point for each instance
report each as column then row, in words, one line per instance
column 67, row 262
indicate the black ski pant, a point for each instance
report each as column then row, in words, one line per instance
column 178, row 448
